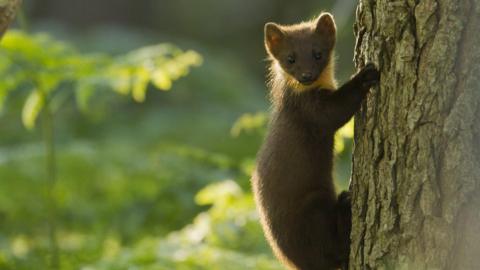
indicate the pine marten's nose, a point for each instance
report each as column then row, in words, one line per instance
column 307, row 76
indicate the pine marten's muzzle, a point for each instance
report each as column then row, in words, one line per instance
column 306, row 78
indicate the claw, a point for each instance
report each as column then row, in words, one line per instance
column 369, row 75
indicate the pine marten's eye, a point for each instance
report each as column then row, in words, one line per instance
column 317, row 55
column 291, row 59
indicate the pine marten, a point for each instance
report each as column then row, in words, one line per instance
column 306, row 224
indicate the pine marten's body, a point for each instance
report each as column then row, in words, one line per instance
column 306, row 224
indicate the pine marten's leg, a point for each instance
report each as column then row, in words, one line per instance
column 345, row 102
column 344, row 224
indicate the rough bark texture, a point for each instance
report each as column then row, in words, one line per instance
column 8, row 9
column 416, row 165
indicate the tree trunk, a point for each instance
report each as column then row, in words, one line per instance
column 416, row 163
column 8, row 9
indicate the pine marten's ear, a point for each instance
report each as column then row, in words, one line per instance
column 274, row 37
column 326, row 28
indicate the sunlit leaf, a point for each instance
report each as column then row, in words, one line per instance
column 161, row 80
column 140, row 83
column 192, row 58
column 32, row 108
column 47, row 64
column 219, row 191
column 347, row 130
column 48, row 81
column 339, row 144
column 249, row 122
column 122, row 82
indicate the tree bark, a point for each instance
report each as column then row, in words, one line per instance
column 8, row 9
column 416, row 162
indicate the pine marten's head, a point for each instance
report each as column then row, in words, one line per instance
column 302, row 53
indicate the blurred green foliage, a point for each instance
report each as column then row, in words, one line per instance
column 44, row 64
column 161, row 184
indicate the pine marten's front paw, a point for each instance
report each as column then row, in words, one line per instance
column 369, row 75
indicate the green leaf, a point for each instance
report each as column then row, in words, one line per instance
column 48, row 81
column 45, row 63
column 140, row 84
column 122, row 83
column 32, row 108
column 4, row 89
column 248, row 123
column 83, row 93
column 161, row 80
column 343, row 135
column 218, row 192
column 347, row 130
column 10, row 82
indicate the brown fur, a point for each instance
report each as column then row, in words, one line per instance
column 305, row 223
